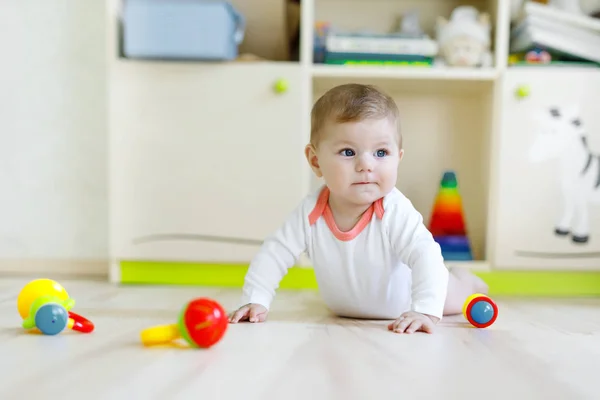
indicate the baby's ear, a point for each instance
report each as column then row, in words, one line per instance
column 401, row 154
column 311, row 156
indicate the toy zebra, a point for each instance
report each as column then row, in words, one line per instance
column 561, row 135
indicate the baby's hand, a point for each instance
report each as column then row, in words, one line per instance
column 249, row 312
column 411, row 322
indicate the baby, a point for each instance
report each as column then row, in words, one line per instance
column 372, row 255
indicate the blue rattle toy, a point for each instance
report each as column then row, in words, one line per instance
column 51, row 316
column 480, row 310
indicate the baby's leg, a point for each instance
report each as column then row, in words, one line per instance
column 462, row 284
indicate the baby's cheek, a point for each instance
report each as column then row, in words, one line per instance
column 337, row 175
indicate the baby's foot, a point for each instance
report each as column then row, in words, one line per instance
column 469, row 279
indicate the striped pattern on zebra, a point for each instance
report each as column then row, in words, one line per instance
column 561, row 135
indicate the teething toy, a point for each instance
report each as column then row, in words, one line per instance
column 201, row 323
column 480, row 310
column 37, row 288
column 44, row 304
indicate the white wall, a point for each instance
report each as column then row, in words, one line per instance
column 53, row 141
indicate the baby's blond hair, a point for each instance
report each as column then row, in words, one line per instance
column 352, row 102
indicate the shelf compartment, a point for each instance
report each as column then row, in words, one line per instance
column 443, row 129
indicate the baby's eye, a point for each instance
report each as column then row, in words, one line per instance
column 381, row 153
column 347, row 152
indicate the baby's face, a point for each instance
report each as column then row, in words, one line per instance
column 359, row 160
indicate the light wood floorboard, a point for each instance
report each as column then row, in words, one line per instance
column 537, row 349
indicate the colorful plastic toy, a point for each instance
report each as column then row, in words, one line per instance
column 37, row 288
column 538, row 56
column 480, row 310
column 202, row 323
column 44, row 304
column 51, row 316
column 447, row 223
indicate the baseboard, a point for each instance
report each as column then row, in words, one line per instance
column 501, row 283
column 55, row 268
column 202, row 274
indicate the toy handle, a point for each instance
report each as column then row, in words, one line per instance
column 79, row 323
column 160, row 334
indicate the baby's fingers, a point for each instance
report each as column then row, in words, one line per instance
column 414, row 326
column 427, row 327
column 257, row 315
column 401, row 324
column 421, row 325
column 239, row 314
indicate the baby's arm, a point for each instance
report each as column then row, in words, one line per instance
column 416, row 247
column 277, row 254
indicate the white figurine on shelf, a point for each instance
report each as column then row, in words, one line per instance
column 410, row 24
column 464, row 40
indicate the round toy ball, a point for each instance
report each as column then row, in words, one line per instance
column 203, row 322
column 38, row 288
column 51, row 318
column 480, row 310
column 47, row 313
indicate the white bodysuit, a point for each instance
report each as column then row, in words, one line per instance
column 386, row 265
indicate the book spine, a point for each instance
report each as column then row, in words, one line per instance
column 333, row 56
column 425, row 47
column 423, row 63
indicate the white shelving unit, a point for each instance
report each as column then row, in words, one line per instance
column 211, row 149
column 449, row 74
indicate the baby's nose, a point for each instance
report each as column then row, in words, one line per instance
column 365, row 163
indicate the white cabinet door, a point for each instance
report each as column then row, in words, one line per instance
column 548, row 209
column 206, row 160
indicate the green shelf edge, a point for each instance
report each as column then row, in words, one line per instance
column 505, row 283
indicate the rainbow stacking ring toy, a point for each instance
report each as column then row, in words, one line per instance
column 201, row 323
column 480, row 310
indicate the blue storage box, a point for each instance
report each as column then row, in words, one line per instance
column 181, row 29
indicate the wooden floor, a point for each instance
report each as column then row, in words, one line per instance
column 535, row 350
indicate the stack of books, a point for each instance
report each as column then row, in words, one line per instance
column 380, row 49
column 565, row 36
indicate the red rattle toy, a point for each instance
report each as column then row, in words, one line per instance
column 202, row 323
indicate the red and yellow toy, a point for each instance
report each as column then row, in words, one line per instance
column 480, row 310
column 202, row 323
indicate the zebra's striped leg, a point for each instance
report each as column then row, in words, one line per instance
column 563, row 228
column 581, row 228
column 580, row 238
